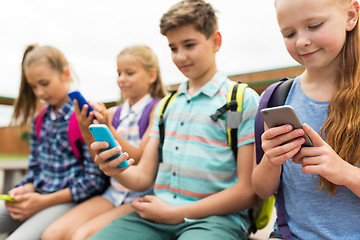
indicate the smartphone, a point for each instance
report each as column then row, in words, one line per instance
column 280, row 115
column 81, row 100
column 101, row 133
column 8, row 198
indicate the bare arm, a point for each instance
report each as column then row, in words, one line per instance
column 266, row 176
column 233, row 199
column 136, row 177
column 105, row 116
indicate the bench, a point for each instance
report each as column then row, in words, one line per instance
column 11, row 172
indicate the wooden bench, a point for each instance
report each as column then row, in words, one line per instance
column 11, row 172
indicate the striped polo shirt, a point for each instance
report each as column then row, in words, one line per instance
column 197, row 161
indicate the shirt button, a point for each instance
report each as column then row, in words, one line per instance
column 182, row 123
column 188, row 101
column 174, row 196
column 176, row 148
column 174, row 173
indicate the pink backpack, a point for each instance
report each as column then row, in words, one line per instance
column 74, row 134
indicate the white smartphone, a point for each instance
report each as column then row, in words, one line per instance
column 280, row 115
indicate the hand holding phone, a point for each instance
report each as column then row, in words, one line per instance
column 8, row 198
column 101, row 133
column 281, row 115
column 81, row 100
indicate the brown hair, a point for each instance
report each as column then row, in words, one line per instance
column 26, row 103
column 149, row 61
column 342, row 127
column 190, row 12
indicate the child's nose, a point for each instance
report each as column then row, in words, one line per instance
column 39, row 92
column 180, row 56
column 302, row 41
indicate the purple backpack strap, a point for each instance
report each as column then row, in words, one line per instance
column 267, row 100
column 145, row 117
column 281, row 215
column 270, row 98
column 116, row 118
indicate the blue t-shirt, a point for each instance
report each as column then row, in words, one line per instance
column 313, row 214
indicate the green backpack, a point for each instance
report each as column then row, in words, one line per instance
column 260, row 215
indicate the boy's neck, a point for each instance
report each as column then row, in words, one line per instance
column 195, row 84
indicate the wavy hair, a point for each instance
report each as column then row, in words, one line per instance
column 342, row 127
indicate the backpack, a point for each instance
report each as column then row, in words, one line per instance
column 260, row 215
column 74, row 134
column 144, row 118
column 274, row 95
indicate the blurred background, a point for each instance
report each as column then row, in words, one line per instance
column 91, row 33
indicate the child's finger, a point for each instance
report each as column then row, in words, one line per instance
column 276, row 131
column 76, row 107
column 314, row 136
column 98, row 146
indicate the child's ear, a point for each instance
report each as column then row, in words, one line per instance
column 153, row 76
column 353, row 15
column 67, row 73
column 217, row 40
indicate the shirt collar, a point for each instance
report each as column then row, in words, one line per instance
column 137, row 107
column 210, row 88
column 64, row 112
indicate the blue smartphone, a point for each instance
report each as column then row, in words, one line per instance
column 102, row 133
column 81, row 100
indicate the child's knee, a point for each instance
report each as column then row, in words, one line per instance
column 81, row 233
column 51, row 233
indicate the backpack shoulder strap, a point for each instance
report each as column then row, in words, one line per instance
column 75, row 137
column 235, row 99
column 116, row 118
column 274, row 95
column 233, row 109
column 145, row 116
column 167, row 100
column 39, row 119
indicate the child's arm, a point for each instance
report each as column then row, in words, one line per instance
column 323, row 160
column 136, row 177
column 105, row 117
column 233, row 199
column 266, row 176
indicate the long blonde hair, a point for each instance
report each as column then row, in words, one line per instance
column 342, row 127
column 26, row 103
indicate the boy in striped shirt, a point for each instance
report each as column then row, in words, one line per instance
column 201, row 190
